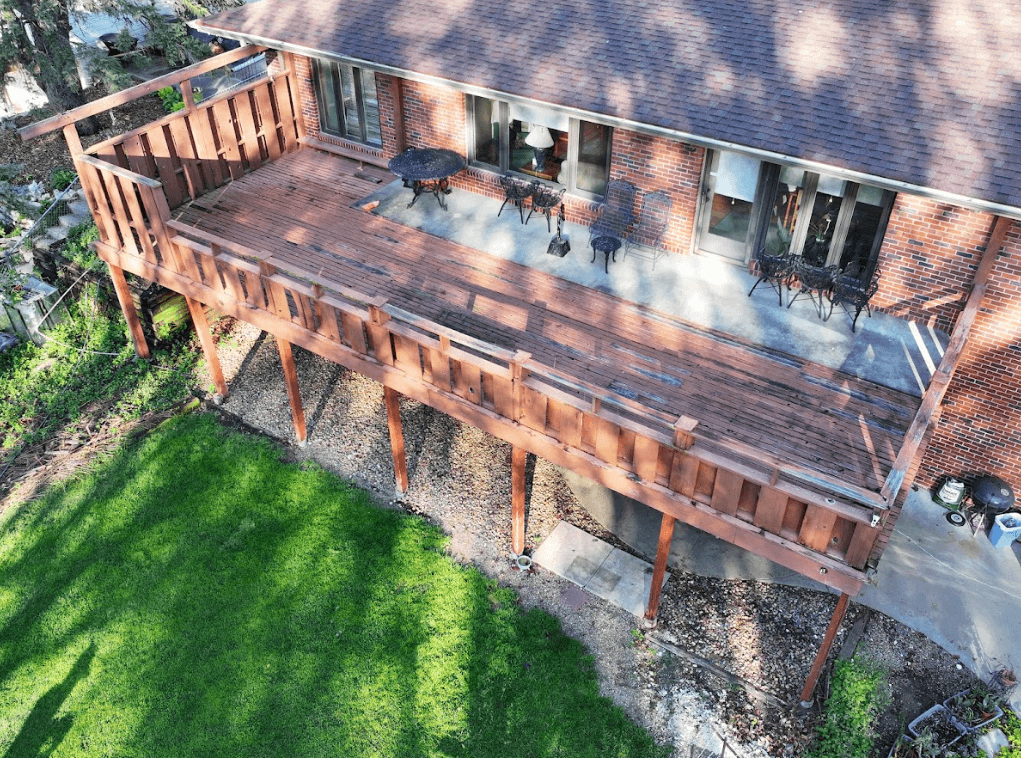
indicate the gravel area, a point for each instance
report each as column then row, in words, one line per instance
column 764, row 635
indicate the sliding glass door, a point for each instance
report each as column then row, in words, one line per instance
column 728, row 205
column 748, row 204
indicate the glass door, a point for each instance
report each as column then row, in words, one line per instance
column 728, row 205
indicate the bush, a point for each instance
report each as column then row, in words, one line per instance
column 61, row 179
column 77, row 246
column 847, row 730
column 171, row 98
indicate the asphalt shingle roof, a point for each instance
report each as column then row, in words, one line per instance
column 926, row 92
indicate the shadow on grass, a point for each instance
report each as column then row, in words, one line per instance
column 43, row 730
column 234, row 605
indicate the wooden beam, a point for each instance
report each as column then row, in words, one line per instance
column 940, row 382
column 518, row 458
column 666, row 536
column 391, row 399
column 822, row 568
column 120, row 286
column 61, row 120
column 824, row 649
column 198, row 319
column 293, row 393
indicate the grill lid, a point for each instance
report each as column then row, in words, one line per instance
column 992, row 493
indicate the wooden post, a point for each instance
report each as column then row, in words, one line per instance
column 393, row 419
column 293, row 393
column 188, row 96
column 666, row 536
column 824, row 649
column 518, row 455
column 198, row 318
column 947, row 366
column 120, row 286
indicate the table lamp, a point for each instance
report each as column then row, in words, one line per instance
column 541, row 141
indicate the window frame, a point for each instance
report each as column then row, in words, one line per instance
column 569, row 168
column 361, row 135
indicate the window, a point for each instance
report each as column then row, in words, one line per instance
column 541, row 143
column 750, row 204
column 348, row 106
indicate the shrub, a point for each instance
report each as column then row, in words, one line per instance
column 856, row 697
column 61, row 179
column 77, row 246
column 171, row 98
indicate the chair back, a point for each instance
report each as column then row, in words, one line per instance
column 617, row 212
column 652, row 224
column 545, row 197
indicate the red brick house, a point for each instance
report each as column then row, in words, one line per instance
column 872, row 136
column 910, row 132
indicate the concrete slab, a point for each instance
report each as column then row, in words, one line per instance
column 601, row 569
column 886, row 350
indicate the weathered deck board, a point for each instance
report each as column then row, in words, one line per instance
column 298, row 211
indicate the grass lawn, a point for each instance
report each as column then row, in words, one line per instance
column 198, row 597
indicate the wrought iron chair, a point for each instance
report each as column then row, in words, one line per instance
column 515, row 191
column 544, row 200
column 816, row 282
column 775, row 270
column 615, row 214
column 647, row 239
column 853, row 293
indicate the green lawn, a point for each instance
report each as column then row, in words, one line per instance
column 198, row 597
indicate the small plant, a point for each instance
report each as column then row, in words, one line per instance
column 61, row 179
column 856, row 698
column 171, row 98
column 1010, row 724
column 12, row 284
column 78, row 246
column 975, row 706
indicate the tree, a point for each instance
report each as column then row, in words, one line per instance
column 36, row 35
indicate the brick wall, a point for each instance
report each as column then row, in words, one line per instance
column 654, row 163
column 980, row 428
column 928, row 259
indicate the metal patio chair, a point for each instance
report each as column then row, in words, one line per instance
column 816, row 282
column 544, row 200
column 646, row 241
column 775, row 270
column 616, row 213
column 854, row 294
column 515, row 191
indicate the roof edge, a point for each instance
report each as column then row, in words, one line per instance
column 976, row 204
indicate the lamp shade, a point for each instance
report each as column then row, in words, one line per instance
column 539, row 137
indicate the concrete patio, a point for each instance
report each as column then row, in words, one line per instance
column 703, row 290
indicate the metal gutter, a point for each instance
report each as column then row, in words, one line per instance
column 861, row 177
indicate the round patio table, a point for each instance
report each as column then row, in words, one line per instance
column 427, row 169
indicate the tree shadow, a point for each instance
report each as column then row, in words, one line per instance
column 43, row 730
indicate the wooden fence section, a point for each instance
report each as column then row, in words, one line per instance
column 208, row 144
column 825, row 529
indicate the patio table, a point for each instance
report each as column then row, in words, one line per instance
column 427, row 169
column 608, row 246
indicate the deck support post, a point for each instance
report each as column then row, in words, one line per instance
column 666, row 536
column 518, row 456
column 391, row 398
column 293, row 393
column 198, row 319
column 824, row 649
column 120, row 286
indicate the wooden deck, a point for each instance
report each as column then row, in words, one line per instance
column 296, row 213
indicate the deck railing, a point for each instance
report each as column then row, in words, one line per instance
column 729, row 489
column 208, row 144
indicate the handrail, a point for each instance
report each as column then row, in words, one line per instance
column 124, row 173
column 53, row 123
